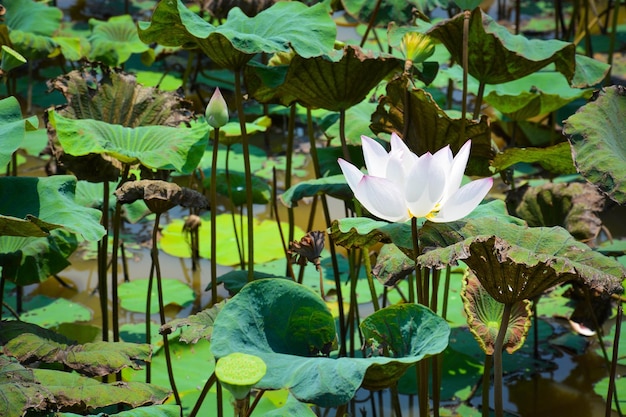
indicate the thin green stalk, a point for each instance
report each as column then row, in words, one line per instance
column 371, row 22
column 247, row 172
column 342, row 135
column 240, row 243
column 289, row 166
column 497, row 361
column 370, row 279
column 446, row 293
column 395, row 400
column 614, row 22
column 213, row 203
column 103, row 255
column 257, row 398
column 464, row 63
column 479, row 99
column 205, row 390
column 486, row 384
column 166, row 347
column 149, row 320
column 436, row 360
column 612, row 392
column 422, row 366
column 220, row 400
column 117, row 225
column 2, row 282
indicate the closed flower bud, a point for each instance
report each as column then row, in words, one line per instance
column 217, row 110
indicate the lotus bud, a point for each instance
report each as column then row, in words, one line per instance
column 281, row 58
column 217, row 110
column 239, row 372
column 417, row 47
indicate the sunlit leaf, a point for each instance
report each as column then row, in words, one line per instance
column 557, row 159
column 12, row 128
column 156, row 147
column 133, row 294
column 596, row 135
column 19, row 391
column 51, row 312
column 30, row 343
column 196, row 326
column 31, row 24
column 114, row 41
column 484, row 317
column 334, row 186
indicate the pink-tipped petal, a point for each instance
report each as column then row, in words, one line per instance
column 375, row 156
column 353, row 174
column 464, row 201
column 382, row 198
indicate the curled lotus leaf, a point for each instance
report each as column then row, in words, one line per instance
column 499, row 56
column 596, row 136
column 484, row 315
column 160, row 196
column 575, row 206
column 114, row 41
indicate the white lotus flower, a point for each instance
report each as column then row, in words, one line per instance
column 400, row 185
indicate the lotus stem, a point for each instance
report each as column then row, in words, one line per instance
column 370, row 24
column 464, row 63
column 289, row 166
column 166, row 347
column 257, row 398
column 103, row 254
column 248, row 173
column 395, row 400
column 422, row 366
column 117, row 224
column 213, row 203
column 220, row 401
column 612, row 392
column 205, row 390
column 365, row 253
column 614, row 22
column 435, row 360
column 497, row 360
column 486, row 384
column 479, row 99
column 342, row 135
column 446, row 293
column 242, row 261
column 148, row 320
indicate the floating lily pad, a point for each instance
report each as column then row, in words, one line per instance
column 47, row 312
column 133, row 294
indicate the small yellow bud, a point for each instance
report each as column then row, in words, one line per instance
column 217, row 110
column 417, row 47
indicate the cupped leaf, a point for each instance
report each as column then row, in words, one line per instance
column 288, row 326
column 113, row 96
column 156, row 147
column 405, row 332
column 498, row 56
column 521, row 262
column 12, row 128
column 160, row 195
column 31, row 24
column 31, row 260
column 133, row 294
column 429, row 127
column 310, row 31
column 557, row 159
column 49, row 200
column 30, row 343
column 574, row 206
column 10, row 59
column 114, row 41
column 595, row 133
column 334, row 186
column 484, row 315
column 339, row 81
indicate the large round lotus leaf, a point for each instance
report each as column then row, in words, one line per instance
column 290, row 328
column 47, row 312
column 399, row 11
column 114, row 41
column 176, row 243
column 497, row 56
column 310, row 31
column 31, row 25
column 557, row 159
column 12, row 128
column 596, row 134
column 133, row 294
column 405, row 332
column 484, row 316
column 156, row 147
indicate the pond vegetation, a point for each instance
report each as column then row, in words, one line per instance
column 288, row 208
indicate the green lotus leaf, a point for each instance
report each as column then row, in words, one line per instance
column 358, row 120
column 288, row 326
column 363, row 232
column 484, row 315
column 537, row 94
column 50, row 200
column 334, row 186
column 392, row 265
column 12, row 128
column 405, row 332
column 31, row 24
column 310, row 31
column 557, row 159
column 497, row 56
column 339, row 81
column 29, row 227
column 52, row 312
column 80, row 393
column 574, row 206
column 133, row 294
column 167, row 410
column 156, row 147
column 602, row 387
column 595, row 133
column 521, row 262
column 430, row 128
column 589, row 72
column 114, row 41
column 30, row 260
column 20, row 391
column 116, row 97
column 196, row 326
column 10, row 59
column 28, row 342
column 73, row 48
column 175, row 242
column 399, row 11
